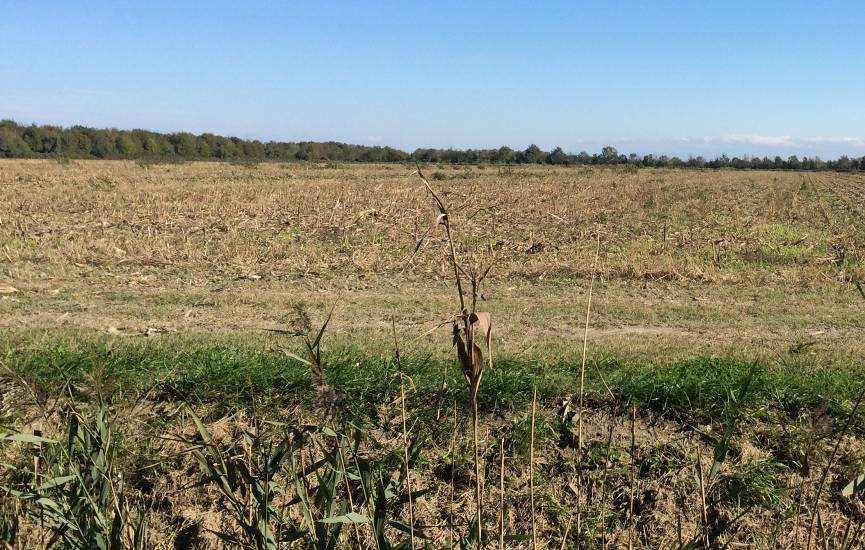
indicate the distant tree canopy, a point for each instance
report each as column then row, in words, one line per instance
column 18, row 141
column 35, row 141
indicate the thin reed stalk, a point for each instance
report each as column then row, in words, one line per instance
column 502, row 494
column 579, row 510
column 347, row 488
column 565, row 534
column 532, row 468
column 36, row 480
column 366, row 497
column 405, row 458
column 478, row 490
column 453, row 488
column 586, row 343
column 704, row 513
column 633, row 477
column 398, row 359
column 603, row 491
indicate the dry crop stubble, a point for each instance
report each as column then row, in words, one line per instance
column 220, row 220
column 185, row 247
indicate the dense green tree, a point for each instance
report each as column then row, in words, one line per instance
column 103, row 145
column 12, row 145
column 505, row 155
column 76, row 143
column 224, row 149
column 126, row 146
column 150, row 146
column 609, row 155
column 533, row 155
column 558, row 156
column 252, row 149
column 44, row 140
column 203, row 149
column 185, row 145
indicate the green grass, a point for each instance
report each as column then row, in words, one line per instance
column 755, row 483
column 695, row 389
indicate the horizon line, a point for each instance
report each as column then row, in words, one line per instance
column 787, row 141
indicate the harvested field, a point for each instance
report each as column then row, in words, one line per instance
column 199, row 246
column 721, row 388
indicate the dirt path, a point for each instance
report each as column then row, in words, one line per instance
column 527, row 316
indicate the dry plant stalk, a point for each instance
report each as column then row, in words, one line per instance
column 586, row 344
column 532, row 467
column 355, row 526
column 565, row 534
column 453, row 487
column 603, row 490
column 579, row 510
column 633, row 476
column 502, row 495
column 397, row 358
column 406, row 459
column 704, row 513
column 467, row 327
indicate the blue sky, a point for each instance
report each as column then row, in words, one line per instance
column 667, row 77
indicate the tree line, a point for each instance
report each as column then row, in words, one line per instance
column 38, row 141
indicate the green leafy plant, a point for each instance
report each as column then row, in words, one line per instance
column 245, row 472
column 78, row 497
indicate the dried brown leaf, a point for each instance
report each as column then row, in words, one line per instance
column 482, row 324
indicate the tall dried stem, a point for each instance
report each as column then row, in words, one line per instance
column 502, row 494
column 469, row 353
column 532, row 467
column 398, row 360
column 586, row 344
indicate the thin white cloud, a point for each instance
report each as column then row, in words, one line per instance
column 732, row 144
column 848, row 141
column 788, row 141
column 755, row 139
